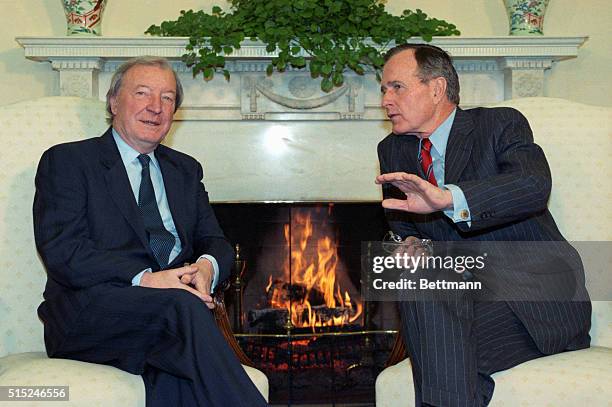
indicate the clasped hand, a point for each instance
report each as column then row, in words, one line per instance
column 195, row 278
column 421, row 196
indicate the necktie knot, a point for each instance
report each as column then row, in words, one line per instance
column 144, row 160
column 426, row 145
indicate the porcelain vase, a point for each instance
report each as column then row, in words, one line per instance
column 526, row 16
column 84, row 17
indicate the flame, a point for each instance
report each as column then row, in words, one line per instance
column 315, row 273
column 269, row 283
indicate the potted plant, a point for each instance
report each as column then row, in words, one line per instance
column 333, row 35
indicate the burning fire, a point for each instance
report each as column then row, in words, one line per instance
column 311, row 294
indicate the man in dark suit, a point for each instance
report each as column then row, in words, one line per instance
column 456, row 175
column 132, row 250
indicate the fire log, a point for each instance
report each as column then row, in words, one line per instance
column 276, row 317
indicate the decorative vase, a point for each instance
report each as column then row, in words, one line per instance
column 526, row 16
column 84, row 16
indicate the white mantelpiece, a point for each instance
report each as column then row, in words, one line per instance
column 491, row 69
column 280, row 138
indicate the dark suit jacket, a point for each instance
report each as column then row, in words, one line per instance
column 89, row 231
column 506, row 180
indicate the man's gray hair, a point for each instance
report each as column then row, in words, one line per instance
column 433, row 62
column 117, row 79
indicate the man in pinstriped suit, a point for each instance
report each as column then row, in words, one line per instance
column 490, row 182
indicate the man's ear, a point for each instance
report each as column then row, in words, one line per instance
column 113, row 104
column 439, row 88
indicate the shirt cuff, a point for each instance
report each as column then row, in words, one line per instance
column 215, row 270
column 460, row 211
column 138, row 277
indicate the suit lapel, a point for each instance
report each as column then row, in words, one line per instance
column 175, row 192
column 459, row 147
column 406, row 154
column 119, row 187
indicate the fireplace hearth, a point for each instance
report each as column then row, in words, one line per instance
column 320, row 368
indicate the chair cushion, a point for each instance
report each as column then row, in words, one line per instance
column 576, row 378
column 394, row 386
column 565, row 379
column 580, row 197
column 90, row 384
column 259, row 379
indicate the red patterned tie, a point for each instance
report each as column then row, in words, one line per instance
column 426, row 161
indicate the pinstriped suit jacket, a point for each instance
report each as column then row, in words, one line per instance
column 506, row 180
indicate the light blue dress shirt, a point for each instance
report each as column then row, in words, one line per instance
column 439, row 140
column 129, row 156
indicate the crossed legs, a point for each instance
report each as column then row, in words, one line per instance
column 169, row 336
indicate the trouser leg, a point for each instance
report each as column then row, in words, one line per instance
column 454, row 347
column 163, row 389
column 437, row 339
column 502, row 342
column 136, row 328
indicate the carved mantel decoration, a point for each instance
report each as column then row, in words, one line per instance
column 491, row 69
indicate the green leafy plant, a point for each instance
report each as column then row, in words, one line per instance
column 328, row 37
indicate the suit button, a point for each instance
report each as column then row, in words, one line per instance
column 464, row 214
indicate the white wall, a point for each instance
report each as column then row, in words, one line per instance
column 585, row 79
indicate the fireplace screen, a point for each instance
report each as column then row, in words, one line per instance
column 295, row 300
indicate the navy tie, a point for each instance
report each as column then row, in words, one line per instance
column 160, row 240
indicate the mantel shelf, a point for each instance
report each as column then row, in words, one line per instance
column 47, row 48
column 490, row 69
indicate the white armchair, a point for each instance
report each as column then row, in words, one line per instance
column 27, row 129
column 577, row 140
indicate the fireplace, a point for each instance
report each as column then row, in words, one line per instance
column 295, row 302
column 256, row 150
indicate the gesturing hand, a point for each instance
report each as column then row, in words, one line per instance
column 421, row 196
column 174, row 278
